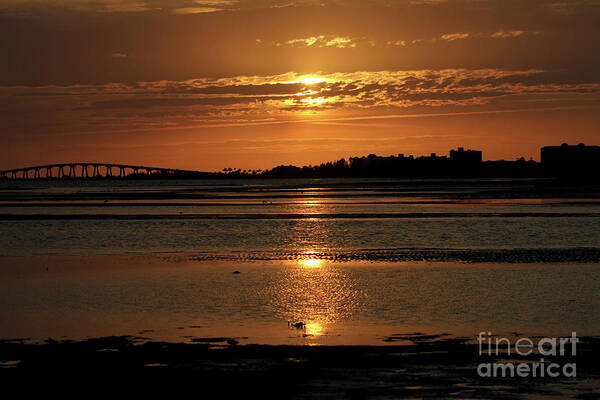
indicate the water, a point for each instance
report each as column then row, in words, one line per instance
column 355, row 260
column 114, row 217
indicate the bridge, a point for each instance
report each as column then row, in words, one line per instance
column 87, row 170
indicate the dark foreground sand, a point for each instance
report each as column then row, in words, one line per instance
column 421, row 367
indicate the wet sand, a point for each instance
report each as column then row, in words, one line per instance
column 424, row 367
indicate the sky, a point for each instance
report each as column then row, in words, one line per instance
column 251, row 84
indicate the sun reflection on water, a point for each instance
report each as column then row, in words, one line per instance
column 310, row 262
column 313, row 294
column 316, row 293
column 314, row 328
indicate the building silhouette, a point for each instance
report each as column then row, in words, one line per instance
column 569, row 159
column 466, row 156
column 460, row 163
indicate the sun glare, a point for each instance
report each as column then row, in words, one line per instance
column 314, row 328
column 311, row 262
column 312, row 101
column 310, row 80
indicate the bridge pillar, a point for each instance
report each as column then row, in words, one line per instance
column 48, row 172
column 121, row 172
column 108, row 171
column 95, row 171
column 36, row 173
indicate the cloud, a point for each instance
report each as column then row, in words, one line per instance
column 206, row 6
column 195, row 10
column 117, row 6
column 572, row 6
column 284, row 98
column 309, row 41
column 283, row 5
column 162, row 102
column 427, row 2
column 401, row 43
column 216, row 2
column 502, row 34
column 108, row 6
column 341, row 42
column 450, row 37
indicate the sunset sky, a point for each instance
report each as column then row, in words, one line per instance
column 208, row 84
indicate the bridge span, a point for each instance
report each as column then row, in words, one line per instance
column 88, row 170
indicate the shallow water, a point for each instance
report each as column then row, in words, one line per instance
column 178, row 299
column 355, row 260
column 115, row 217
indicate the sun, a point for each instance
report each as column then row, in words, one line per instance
column 311, row 80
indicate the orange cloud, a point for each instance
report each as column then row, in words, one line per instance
column 502, row 34
column 289, row 97
column 450, row 37
column 340, row 42
column 195, row 10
